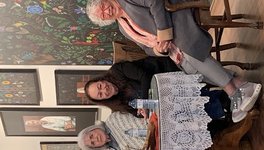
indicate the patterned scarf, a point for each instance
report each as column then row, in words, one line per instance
column 143, row 37
column 136, row 33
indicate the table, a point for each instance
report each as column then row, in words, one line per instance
column 182, row 119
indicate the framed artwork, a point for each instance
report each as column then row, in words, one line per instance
column 47, row 121
column 19, row 87
column 61, row 145
column 53, row 32
column 70, row 85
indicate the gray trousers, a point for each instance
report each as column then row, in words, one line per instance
column 212, row 70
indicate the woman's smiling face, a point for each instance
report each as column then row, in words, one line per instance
column 96, row 138
column 101, row 90
column 108, row 10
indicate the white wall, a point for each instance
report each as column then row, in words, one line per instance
column 48, row 94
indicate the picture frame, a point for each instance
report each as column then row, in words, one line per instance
column 47, row 121
column 19, row 87
column 59, row 145
column 70, row 39
column 70, row 85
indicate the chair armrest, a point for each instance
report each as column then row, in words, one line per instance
column 204, row 4
column 150, row 141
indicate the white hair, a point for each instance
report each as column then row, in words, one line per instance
column 84, row 132
column 91, row 13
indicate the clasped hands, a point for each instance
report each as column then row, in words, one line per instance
column 167, row 47
column 143, row 112
column 68, row 125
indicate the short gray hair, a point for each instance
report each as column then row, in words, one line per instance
column 91, row 13
column 82, row 134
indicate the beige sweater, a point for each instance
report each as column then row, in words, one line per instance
column 118, row 123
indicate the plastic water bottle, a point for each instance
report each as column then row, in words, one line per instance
column 137, row 132
column 144, row 103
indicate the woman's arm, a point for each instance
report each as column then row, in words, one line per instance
column 149, row 51
column 161, row 17
column 129, row 70
column 132, row 71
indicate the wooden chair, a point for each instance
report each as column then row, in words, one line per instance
column 129, row 51
column 205, row 20
column 126, row 50
column 229, row 138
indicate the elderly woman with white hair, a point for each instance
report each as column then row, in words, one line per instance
column 158, row 33
column 95, row 137
column 111, row 133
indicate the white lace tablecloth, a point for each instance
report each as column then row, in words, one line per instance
column 182, row 119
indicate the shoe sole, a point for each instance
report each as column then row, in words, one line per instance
column 235, row 120
column 251, row 102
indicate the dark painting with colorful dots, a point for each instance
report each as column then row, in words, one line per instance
column 19, row 87
column 53, row 32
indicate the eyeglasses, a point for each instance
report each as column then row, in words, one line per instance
column 104, row 6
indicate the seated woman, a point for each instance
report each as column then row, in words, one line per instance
column 157, row 32
column 126, row 81
column 111, row 133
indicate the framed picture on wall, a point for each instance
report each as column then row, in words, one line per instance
column 19, row 87
column 47, row 121
column 59, row 145
column 68, row 39
column 70, row 85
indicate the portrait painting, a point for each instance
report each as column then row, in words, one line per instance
column 70, row 85
column 47, row 121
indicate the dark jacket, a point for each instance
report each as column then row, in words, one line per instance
column 138, row 74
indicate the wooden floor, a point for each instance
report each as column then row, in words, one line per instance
column 251, row 49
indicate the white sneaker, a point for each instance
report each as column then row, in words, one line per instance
column 236, row 101
column 250, row 93
column 238, row 115
column 243, row 100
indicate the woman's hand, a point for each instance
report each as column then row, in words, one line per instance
column 176, row 54
column 68, row 125
column 163, row 47
column 143, row 112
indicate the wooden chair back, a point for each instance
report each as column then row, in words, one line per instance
column 206, row 20
column 129, row 51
